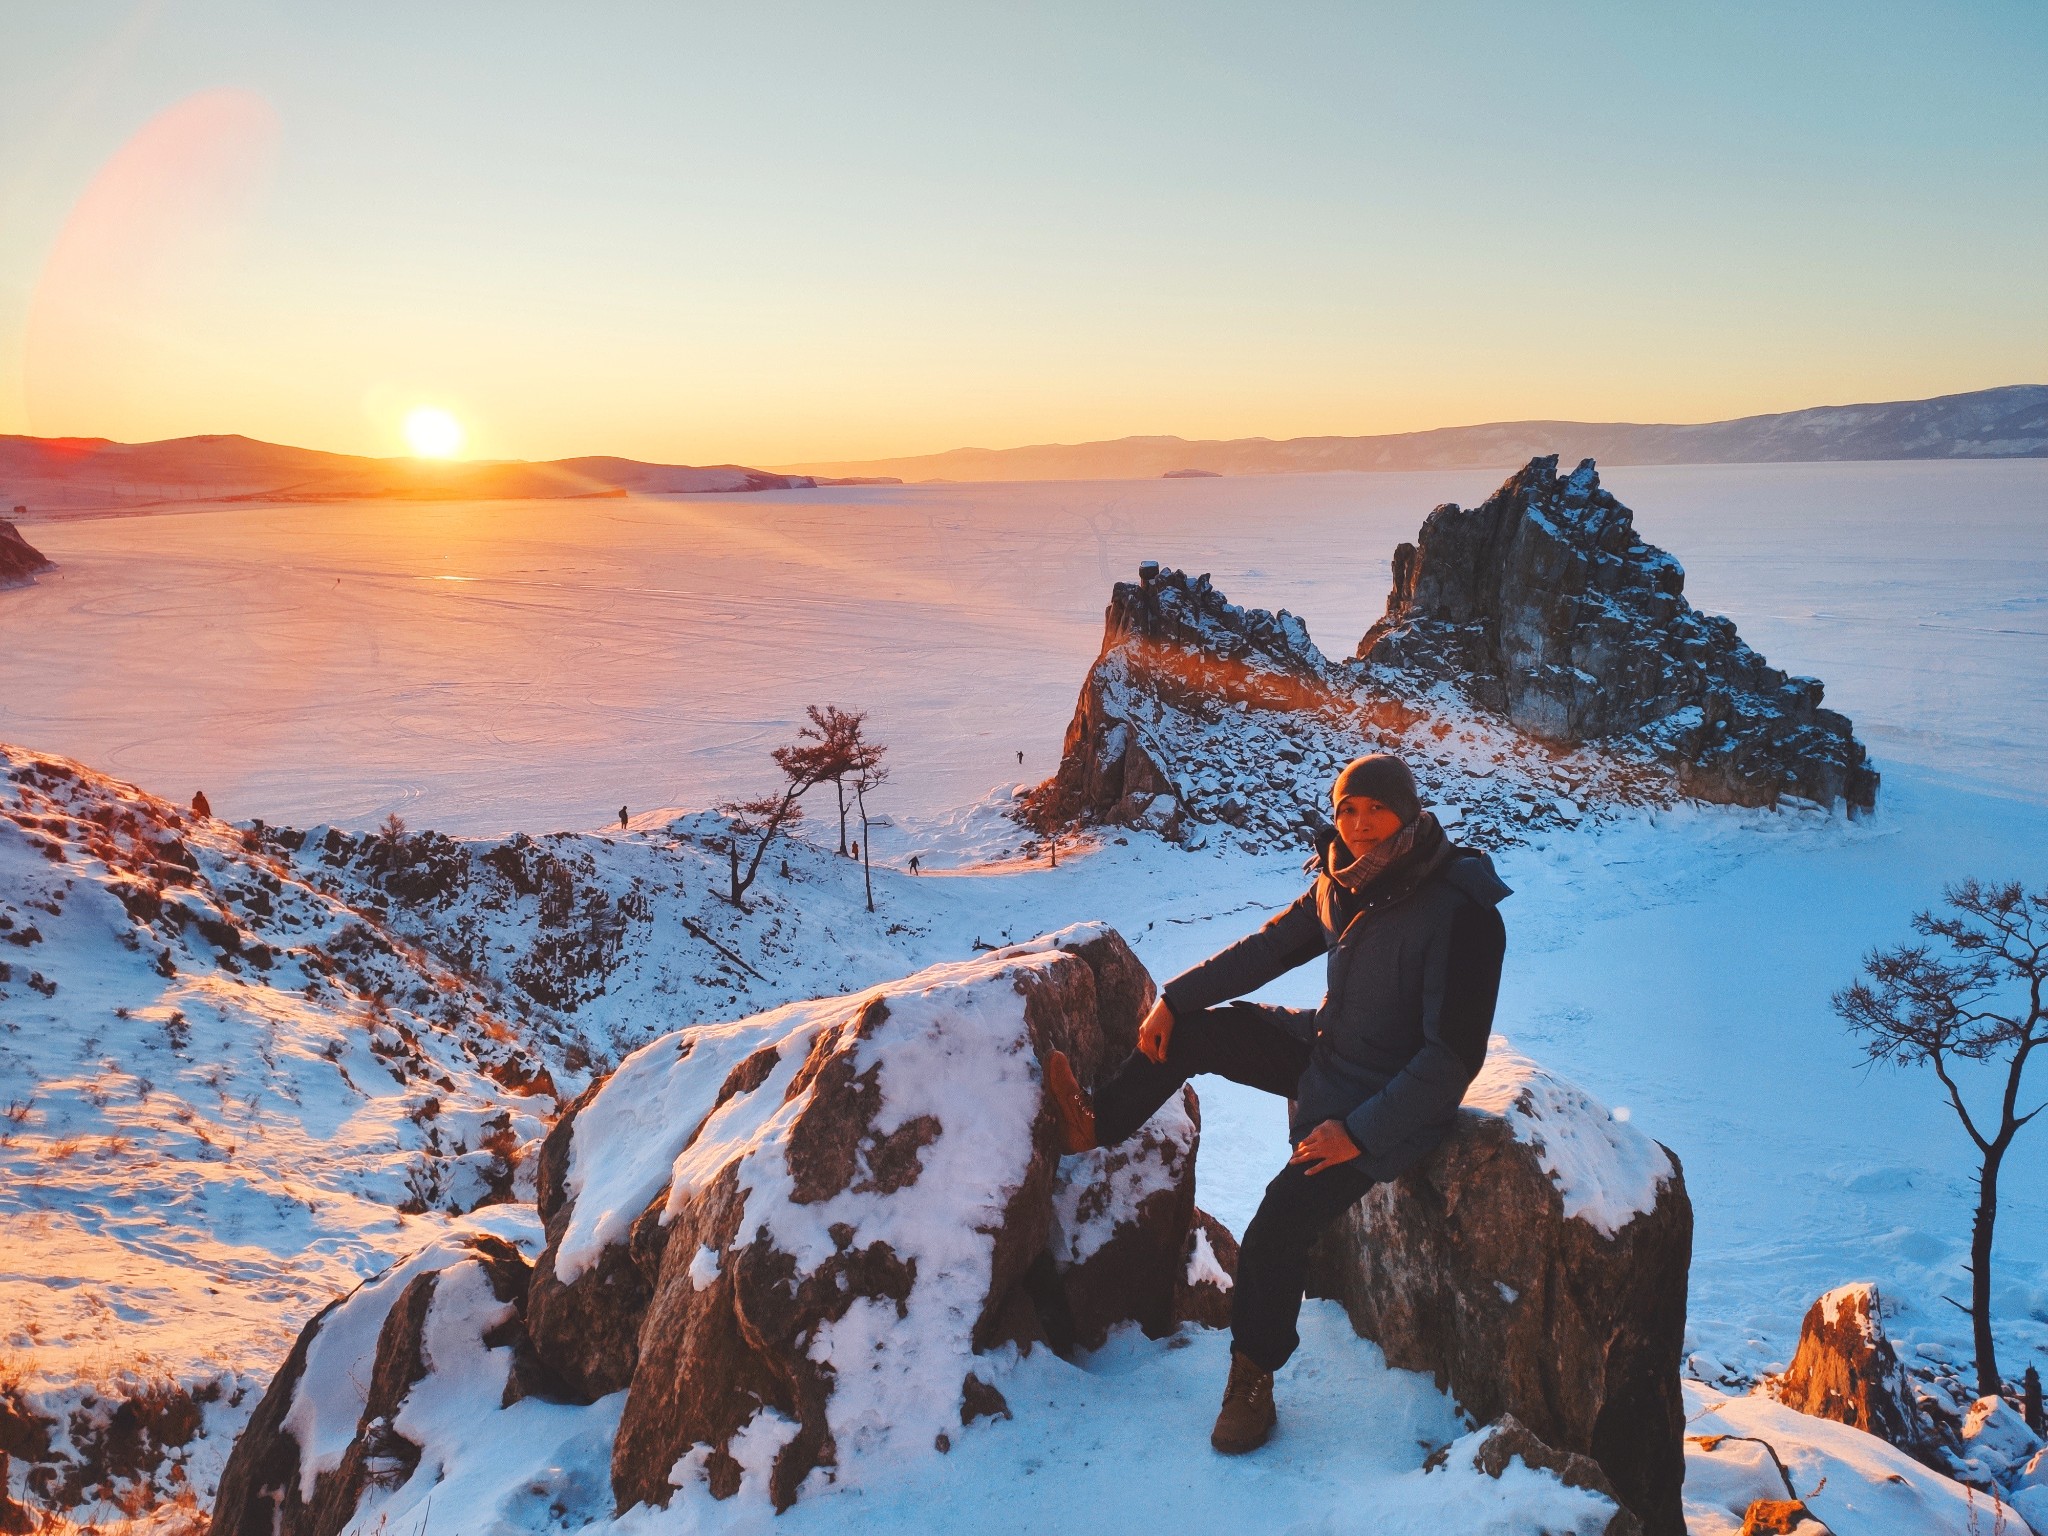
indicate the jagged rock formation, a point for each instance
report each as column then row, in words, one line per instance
column 1538, row 664
column 1845, row 1369
column 1204, row 721
column 794, row 1241
column 1536, row 1266
column 1543, row 605
column 20, row 561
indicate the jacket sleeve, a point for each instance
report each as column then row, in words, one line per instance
column 1459, row 993
column 1291, row 938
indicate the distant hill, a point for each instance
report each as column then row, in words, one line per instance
column 1986, row 424
column 58, row 475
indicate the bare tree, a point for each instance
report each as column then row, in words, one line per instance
column 803, row 767
column 836, row 737
column 1973, row 994
column 870, row 776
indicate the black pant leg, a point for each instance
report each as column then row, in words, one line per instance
column 1272, row 1261
column 1244, row 1042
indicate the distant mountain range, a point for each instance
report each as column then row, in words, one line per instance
column 55, row 475
column 2011, row 422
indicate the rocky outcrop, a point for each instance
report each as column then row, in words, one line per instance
column 20, row 561
column 1124, row 1221
column 1538, row 663
column 1845, row 1369
column 1207, row 722
column 1536, row 1265
column 354, row 1409
column 1544, row 606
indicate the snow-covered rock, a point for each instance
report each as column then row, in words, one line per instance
column 876, row 1199
column 1997, row 1441
column 1740, row 1449
column 1543, row 605
column 1845, row 1369
column 1536, row 1265
column 1508, row 1440
column 845, row 1222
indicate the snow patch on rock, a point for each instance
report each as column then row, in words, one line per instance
column 1607, row 1171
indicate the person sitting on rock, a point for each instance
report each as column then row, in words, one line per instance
column 1414, row 942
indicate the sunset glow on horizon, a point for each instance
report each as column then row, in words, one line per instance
column 432, row 433
column 910, row 236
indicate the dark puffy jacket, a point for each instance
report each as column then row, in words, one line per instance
column 1402, row 1031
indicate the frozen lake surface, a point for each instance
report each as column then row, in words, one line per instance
column 480, row 667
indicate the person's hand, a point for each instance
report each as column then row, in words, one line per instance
column 1156, row 1032
column 1325, row 1147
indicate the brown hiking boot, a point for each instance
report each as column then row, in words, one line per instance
column 1247, row 1418
column 1077, row 1119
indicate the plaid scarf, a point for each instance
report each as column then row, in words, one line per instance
column 1421, row 841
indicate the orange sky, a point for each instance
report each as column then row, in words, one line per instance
column 905, row 236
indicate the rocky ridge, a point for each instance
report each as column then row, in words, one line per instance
column 1544, row 606
column 1209, row 722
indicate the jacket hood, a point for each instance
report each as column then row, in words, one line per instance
column 1472, row 872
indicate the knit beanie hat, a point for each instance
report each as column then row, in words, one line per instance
column 1383, row 777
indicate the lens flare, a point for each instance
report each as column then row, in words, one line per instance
column 433, row 433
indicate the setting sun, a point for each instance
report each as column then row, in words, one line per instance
column 433, row 433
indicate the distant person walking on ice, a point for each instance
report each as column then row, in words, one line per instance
column 913, row 864
column 622, row 818
column 1407, row 921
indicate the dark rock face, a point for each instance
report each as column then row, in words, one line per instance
column 20, row 561
column 1544, row 606
column 1561, row 1304
column 1846, row 1370
column 586, row 1330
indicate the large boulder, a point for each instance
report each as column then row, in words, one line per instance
column 1543, row 605
column 1845, row 1369
column 1536, row 1265
column 861, row 1198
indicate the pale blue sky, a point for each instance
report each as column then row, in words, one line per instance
column 778, row 232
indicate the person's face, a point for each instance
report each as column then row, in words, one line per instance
column 1363, row 823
